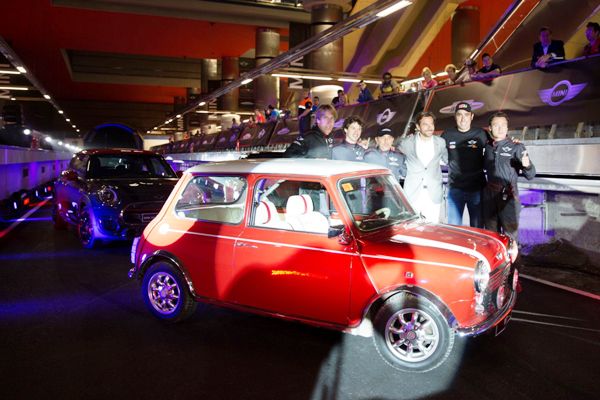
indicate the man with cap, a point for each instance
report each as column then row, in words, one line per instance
column 317, row 142
column 385, row 156
column 350, row 149
column 466, row 179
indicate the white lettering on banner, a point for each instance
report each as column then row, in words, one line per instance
column 296, row 83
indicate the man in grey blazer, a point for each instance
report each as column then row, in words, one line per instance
column 424, row 152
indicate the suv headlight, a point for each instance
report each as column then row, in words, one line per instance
column 108, row 196
column 481, row 276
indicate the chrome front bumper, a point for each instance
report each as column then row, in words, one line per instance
column 489, row 323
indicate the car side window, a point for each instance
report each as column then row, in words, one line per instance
column 213, row 198
column 291, row 205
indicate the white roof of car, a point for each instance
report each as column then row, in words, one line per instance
column 285, row 166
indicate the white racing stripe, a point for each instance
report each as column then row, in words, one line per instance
column 441, row 245
column 23, row 218
column 412, row 260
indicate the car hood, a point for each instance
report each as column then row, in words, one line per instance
column 138, row 190
column 438, row 243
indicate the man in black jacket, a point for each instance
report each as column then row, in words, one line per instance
column 547, row 51
column 466, row 180
column 504, row 162
column 317, row 142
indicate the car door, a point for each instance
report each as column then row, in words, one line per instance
column 280, row 269
column 208, row 219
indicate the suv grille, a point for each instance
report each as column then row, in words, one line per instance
column 141, row 213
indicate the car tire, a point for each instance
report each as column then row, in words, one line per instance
column 85, row 229
column 166, row 293
column 411, row 334
column 59, row 223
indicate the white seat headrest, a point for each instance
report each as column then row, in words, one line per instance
column 298, row 205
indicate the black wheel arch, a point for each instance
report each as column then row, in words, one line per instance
column 170, row 258
column 416, row 291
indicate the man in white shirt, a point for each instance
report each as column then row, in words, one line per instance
column 424, row 153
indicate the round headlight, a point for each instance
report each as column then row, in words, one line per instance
column 481, row 276
column 108, row 196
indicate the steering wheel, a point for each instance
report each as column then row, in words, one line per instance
column 383, row 212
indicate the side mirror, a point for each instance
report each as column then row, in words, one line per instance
column 335, row 231
column 69, row 175
column 341, row 232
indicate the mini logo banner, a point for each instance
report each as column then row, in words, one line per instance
column 561, row 92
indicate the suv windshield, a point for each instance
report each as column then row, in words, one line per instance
column 375, row 201
column 108, row 166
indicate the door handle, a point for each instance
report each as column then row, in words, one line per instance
column 244, row 244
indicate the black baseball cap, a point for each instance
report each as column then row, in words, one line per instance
column 384, row 131
column 463, row 105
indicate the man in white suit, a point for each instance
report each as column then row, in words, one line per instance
column 424, row 153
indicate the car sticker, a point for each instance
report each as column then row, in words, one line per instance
column 347, row 187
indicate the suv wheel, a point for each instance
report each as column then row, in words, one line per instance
column 411, row 334
column 85, row 229
column 59, row 223
column 166, row 293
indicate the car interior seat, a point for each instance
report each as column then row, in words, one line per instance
column 301, row 216
column 266, row 215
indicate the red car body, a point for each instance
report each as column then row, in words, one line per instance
column 341, row 278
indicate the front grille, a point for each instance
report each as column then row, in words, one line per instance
column 500, row 278
column 141, row 213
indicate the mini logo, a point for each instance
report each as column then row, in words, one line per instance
column 261, row 133
column 475, row 105
column 506, row 148
column 221, row 140
column 385, row 116
column 472, row 143
column 339, row 123
column 247, row 136
column 561, row 92
column 283, row 131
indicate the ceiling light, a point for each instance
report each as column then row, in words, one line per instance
column 201, row 103
column 13, row 98
column 349, row 80
column 318, row 78
column 178, row 116
column 60, row 143
column 375, row 82
column 48, row 139
column 21, row 70
column 68, row 119
column 393, row 8
column 47, row 97
column 74, row 126
column 27, row 131
column 9, row 72
column 77, row 130
column 246, row 81
column 61, row 112
column 14, row 88
column 287, row 76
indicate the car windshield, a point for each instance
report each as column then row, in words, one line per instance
column 109, row 166
column 375, row 201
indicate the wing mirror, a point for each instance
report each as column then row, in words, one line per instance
column 341, row 232
column 69, row 175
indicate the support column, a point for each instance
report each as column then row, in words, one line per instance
column 465, row 34
column 230, row 71
column 325, row 14
column 266, row 86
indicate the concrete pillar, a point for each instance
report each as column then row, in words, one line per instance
column 266, row 86
column 230, row 71
column 193, row 120
column 465, row 34
column 325, row 14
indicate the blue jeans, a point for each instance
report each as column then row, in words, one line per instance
column 457, row 198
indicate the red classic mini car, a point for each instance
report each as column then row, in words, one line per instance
column 330, row 243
